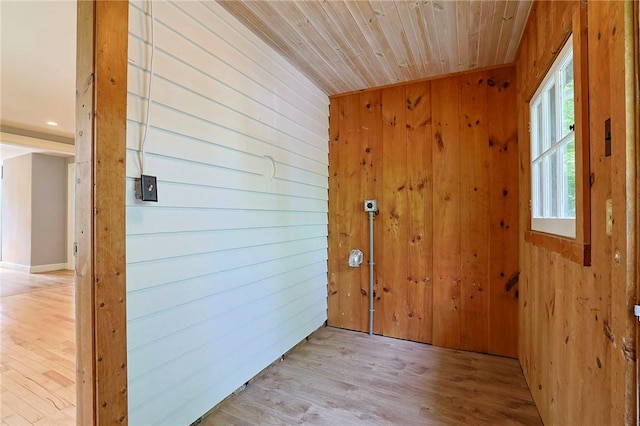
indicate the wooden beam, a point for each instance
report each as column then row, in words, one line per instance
column 630, row 232
column 101, row 106
column 636, row 83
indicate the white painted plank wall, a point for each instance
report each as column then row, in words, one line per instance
column 228, row 270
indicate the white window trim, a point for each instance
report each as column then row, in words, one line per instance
column 565, row 227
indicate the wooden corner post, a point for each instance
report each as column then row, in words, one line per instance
column 101, row 108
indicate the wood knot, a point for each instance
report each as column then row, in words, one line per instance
column 440, row 141
column 512, row 281
column 628, row 350
column 607, row 331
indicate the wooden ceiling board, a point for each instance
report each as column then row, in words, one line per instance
column 518, row 28
column 408, row 37
column 360, row 35
column 426, row 17
column 287, row 40
column 382, row 49
column 349, row 45
column 333, row 34
column 357, row 23
column 463, row 27
column 447, row 23
column 394, row 31
column 506, row 32
column 489, row 22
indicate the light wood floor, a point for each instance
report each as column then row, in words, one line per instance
column 342, row 377
column 339, row 377
column 37, row 350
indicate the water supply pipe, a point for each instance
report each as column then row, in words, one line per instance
column 371, row 263
column 371, row 206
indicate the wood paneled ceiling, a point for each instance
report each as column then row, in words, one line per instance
column 344, row 46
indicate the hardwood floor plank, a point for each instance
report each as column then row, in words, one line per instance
column 59, row 378
column 346, row 377
column 37, row 361
column 19, row 405
column 15, row 419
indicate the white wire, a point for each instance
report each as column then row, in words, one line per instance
column 146, row 126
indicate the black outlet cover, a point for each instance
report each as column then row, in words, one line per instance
column 607, row 137
column 149, row 188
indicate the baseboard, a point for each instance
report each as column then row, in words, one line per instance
column 15, row 266
column 35, row 269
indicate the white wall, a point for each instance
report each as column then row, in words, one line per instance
column 16, row 211
column 228, row 270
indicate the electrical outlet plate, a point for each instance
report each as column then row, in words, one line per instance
column 146, row 188
column 607, row 137
column 370, row 205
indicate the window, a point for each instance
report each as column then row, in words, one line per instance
column 553, row 149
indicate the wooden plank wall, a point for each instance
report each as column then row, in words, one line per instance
column 577, row 333
column 440, row 157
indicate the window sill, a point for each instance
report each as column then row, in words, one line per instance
column 566, row 247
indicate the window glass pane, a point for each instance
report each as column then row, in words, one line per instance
column 568, row 110
column 537, row 189
column 545, row 186
column 569, row 179
column 551, row 116
column 536, row 130
column 553, row 177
